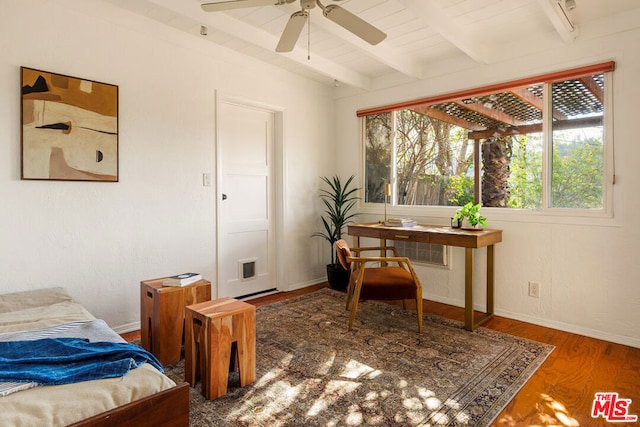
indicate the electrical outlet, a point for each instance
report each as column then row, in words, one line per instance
column 534, row 290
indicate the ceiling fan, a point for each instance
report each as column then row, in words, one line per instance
column 292, row 30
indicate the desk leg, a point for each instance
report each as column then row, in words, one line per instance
column 468, row 289
column 470, row 322
column 490, row 280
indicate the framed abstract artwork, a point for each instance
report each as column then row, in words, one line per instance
column 69, row 128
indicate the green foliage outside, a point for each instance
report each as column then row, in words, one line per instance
column 460, row 190
column 434, row 165
column 379, row 142
column 525, row 181
column 577, row 176
column 577, row 173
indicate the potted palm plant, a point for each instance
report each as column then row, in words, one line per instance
column 339, row 199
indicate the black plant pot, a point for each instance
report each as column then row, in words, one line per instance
column 338, row 277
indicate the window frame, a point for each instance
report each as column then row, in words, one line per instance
column 608, row 176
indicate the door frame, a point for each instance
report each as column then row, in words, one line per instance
column 279, row 187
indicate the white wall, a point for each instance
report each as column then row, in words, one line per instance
column 590, row 271
column 99, row 240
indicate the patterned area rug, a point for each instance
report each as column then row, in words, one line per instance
column 312, row 372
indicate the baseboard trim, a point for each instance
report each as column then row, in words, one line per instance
column 129, row 327
column 305, row 284
column 547, row 323
column 574, row 329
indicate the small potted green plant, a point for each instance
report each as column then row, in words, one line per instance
column 339, row 199
column 470, row 213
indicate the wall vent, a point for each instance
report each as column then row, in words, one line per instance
column 423, row 253
column 247, row 269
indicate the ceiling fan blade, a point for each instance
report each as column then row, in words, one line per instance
column 356, row 25
column 238, row 4
column 292, row 31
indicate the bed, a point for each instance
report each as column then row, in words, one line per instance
column 142, row 397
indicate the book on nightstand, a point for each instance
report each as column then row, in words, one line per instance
column 183, row 279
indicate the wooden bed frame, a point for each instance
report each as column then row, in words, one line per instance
column 168, row 408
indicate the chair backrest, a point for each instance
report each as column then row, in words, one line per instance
column 344, row 252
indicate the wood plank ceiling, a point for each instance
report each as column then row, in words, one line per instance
column 424, row 37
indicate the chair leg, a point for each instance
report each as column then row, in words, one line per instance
column 352, row 318
column 419, row 305
column 419, row 310
column 354, row 307
column 349, row 294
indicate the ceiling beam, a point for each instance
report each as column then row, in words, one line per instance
column 558, row 16
column 432, row 14
column 380, row 52
column 263, row 39
column 329, row 68
column 257, row 37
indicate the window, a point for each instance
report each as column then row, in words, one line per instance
column 537, row 143
column 577, row 142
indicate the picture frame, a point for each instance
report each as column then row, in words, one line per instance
column 69, row 128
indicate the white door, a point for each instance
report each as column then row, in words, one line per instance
column 245, row 200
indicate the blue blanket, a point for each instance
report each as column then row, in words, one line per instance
column 52, row 361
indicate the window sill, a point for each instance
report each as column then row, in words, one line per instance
column 443, row 214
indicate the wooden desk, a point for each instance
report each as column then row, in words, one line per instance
column 467, row 239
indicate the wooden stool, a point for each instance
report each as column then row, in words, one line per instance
column 211, row 329
column 162, row 315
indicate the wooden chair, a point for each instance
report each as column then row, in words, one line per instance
column 373, row 277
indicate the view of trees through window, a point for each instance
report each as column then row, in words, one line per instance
column 427, row 152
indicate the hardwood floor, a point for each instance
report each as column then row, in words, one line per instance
column 562, row 390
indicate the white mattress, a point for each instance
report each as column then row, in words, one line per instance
column 65, row 404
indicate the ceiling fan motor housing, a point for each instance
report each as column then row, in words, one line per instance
column 308, row 4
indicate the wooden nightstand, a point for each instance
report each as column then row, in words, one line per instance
column 162, row 315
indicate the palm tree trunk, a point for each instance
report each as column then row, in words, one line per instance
column 496, row 159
